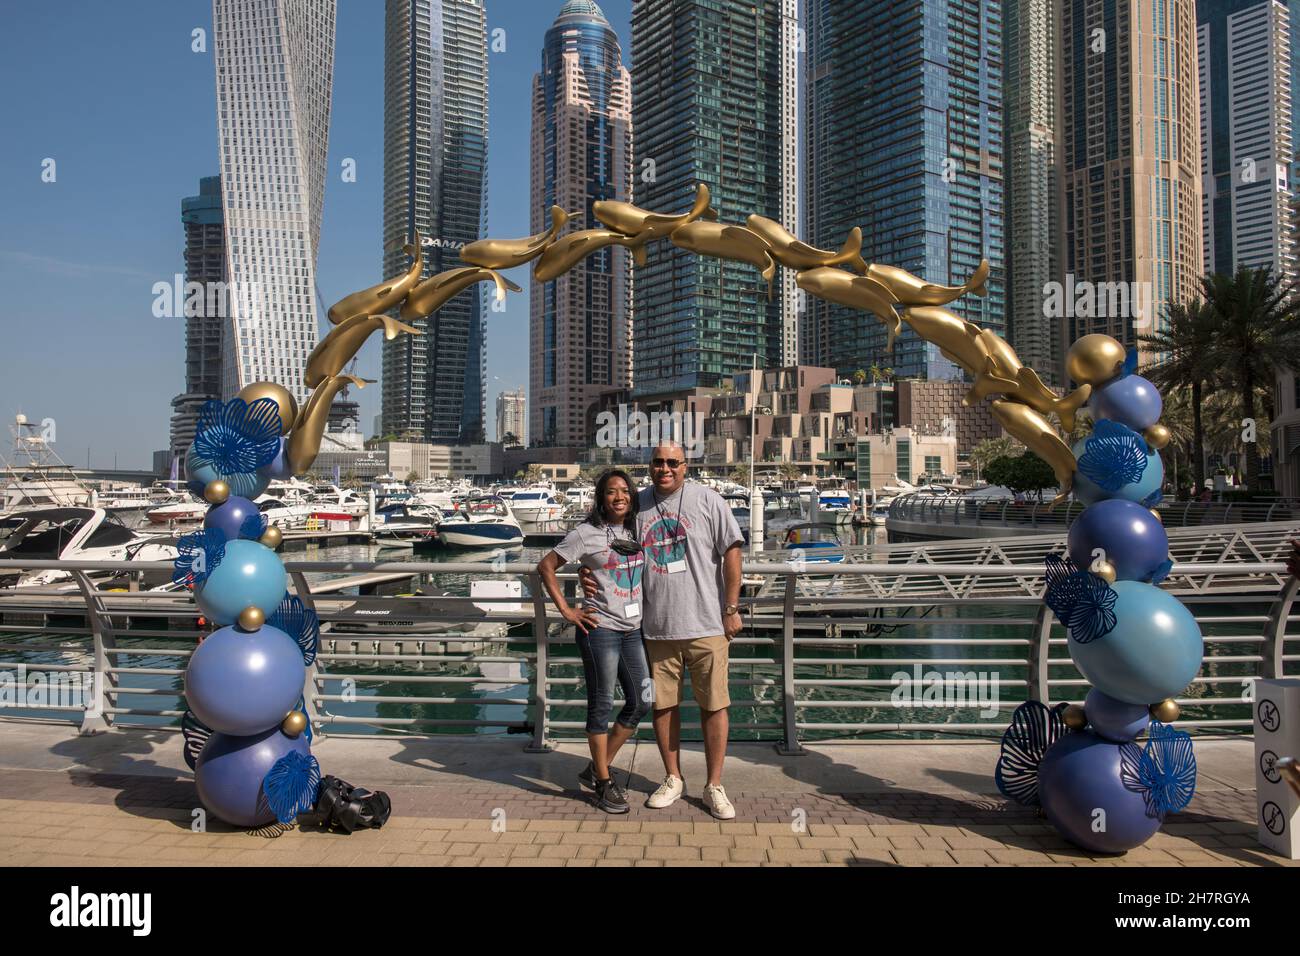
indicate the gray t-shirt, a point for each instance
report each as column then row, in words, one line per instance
column 617, row 575
column 685, row 536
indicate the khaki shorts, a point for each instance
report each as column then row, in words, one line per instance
column 706, row 659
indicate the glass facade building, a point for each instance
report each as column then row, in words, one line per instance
column 435, row 181
column 905, row 139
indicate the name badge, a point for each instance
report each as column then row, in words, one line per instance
column 632, row 610
column 675, row 567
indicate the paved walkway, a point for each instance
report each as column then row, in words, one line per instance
column 126, row 798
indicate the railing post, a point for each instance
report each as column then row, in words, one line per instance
column 541, row 705
column 311, row 682
column 97, row 717
column 789, row 745
column 1037, row 679
column 1275, row 630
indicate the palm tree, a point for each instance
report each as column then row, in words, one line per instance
column 789, row 471
column 859, row 377
column 1186, row 343
column 1256, row 337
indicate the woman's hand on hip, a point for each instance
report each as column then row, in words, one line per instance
column 583, row 618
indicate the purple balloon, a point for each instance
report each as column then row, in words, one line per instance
column 230, row 516
column 1131, row 537
column 1115, row 720
column 1131, row 400
column 279, row 467
column 1083, row 794
column 230, row 770
column 242, row 682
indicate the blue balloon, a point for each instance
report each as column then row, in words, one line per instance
column 1132, row 538
column 230, row 770
column 1089, row 492
column 1131, row 400
column 242, row 682
column 1113, row 719
column 249, row 574
column 230, row 516
column 279, row 468
column 1153, row 652
column 245, row 484
column 1082, row 792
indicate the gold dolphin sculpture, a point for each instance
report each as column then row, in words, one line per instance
column 508, row 253
column 434, row 292
column 857, row 292
column 1039, row 437
column 913, row 290
column 303, row 444
column 642, row 225
column 992, row 362
column 727, row 241
column 790, row 252
column 382, row 297
column 565, row 253
column 345, row 340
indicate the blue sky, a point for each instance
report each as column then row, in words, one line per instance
column 113, row 93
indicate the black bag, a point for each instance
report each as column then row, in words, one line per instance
column 341, row 805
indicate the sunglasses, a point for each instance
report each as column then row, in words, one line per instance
column 625, row 547
column 667, row 462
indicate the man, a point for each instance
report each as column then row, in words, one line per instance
column 691, row 589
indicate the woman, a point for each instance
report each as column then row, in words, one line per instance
column 607, row 626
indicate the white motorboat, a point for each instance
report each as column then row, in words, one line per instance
column 181, row 513
column 405, row 526
column 35, row 477
column 74, row 534
column 480, row 523
column 131, row 506
column 535, row 507
column 837, row 505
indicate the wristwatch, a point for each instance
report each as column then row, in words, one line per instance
column 730, row 609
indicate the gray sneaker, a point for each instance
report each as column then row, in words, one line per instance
column 610, row 796
column 588, row 777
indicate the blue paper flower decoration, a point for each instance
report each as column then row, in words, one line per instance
column 1162, row 571
column 195, row 734
column 299, row 622
column 254, row 526
column 1033, row 730
column 1084, row 603
column 198, row 554
column 291, row 785
column 1114, row 456
column 236, row 437
column 1130, row 363
column 1164, row 772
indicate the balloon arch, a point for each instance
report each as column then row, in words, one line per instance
column 247, row 733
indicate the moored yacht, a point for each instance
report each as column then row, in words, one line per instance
column 73, row 534
column 481, row 522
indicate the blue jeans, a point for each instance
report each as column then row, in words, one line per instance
column 607, row 656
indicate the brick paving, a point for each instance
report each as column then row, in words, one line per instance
column 87, row 818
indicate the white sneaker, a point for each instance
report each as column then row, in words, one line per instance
column 667, row 794
column 715, row 798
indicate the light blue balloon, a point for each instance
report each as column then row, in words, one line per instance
column 249, row 574
column 1089, row 492
column 1153, row 652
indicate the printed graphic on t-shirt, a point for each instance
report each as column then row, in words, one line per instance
column 665, row 540
column 625, row 572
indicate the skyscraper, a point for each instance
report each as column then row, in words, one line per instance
column 205, row 263
column 714, row 101
column 1032, row 181
column 512, row 416
column 905, row 140
column 1130, row 160
column 581, row 153
column 275, row 63
column 1246, row 135
column 435, row 181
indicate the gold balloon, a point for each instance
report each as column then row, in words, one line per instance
column 1104, row 570
column 294, row 724
column 251, row 618
column 1039, row 437
column 345, row 340
column 857, row 292
column 282, row 397
column 913, row 290
column 1166, row 711
column 272, row 537
column 508, row 253
column 1074, row 717
column 727, row 241
column 1157, row 436
column 382, row 297
column 793, row 254
column 1094, row 359
column 216, row 492
column 1157, row 514
column 436, row 291
column 304, row 444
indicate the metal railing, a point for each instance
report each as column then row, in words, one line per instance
column 811, row 663
column 963, row 511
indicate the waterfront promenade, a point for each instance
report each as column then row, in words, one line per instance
column 125, row 798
